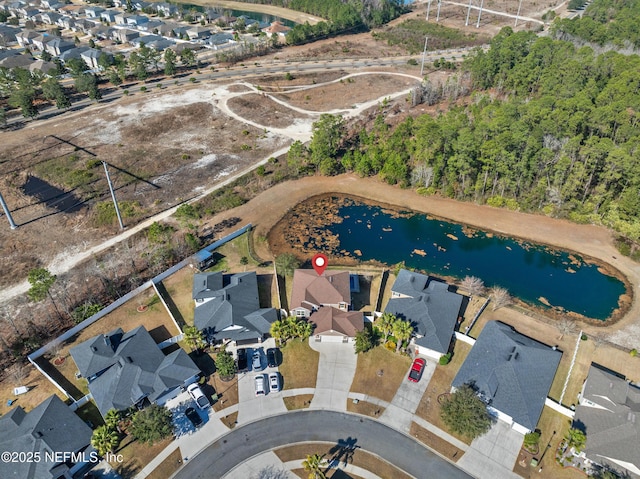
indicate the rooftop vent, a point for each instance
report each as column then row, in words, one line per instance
column 38, row 434
column 129, row 359
column 94, row 349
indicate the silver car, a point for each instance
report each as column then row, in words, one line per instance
column 261, row 389
column 256, row 362
column 274, row 382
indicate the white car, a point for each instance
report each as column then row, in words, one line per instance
column 198, row 396
column 274, row 382
column 261, row 389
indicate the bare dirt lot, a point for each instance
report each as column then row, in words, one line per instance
column 161, row 147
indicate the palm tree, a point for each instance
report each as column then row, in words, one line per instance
column 402, row 330
column 313, row 465
column 104, row 440
column 278, row 331
column 576, row 439
column 194, row 337
column 112, row 419
column 286, row 264
column 385, row 324
column 304, row 329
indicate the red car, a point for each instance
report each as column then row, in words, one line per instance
column 417, row 369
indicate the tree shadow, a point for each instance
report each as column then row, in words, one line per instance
column 343, row 451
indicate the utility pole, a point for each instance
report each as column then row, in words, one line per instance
column 113, row 194
column 424, row 53
column 466, row 22
column 7, row 212
column 518, row 14
column 480, row 13
column 428, row 8
column 438, row 15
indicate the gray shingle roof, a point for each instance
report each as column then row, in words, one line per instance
column 610, row 415
column 231, row 307
column 513, row 372
column 430, row 307
column 130, row 367
column 50, row 426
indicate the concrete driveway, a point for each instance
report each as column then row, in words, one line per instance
column 336, row 368
column 403, row 406
column 251, row 407
column 494, row 454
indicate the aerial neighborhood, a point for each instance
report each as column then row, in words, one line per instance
column 334, row 239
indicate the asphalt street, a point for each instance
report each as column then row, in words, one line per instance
column 245, row 442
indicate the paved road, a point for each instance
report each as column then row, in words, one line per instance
column 245, row 442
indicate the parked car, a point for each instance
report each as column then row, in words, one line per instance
column 242, row 359
column 193, row 416
column 198, row 396
column 256, row 363
column 272, row 357
column 417, row 368
column 261, row 389
column 274, row 382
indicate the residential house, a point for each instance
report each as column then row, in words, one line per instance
column 609, row 414
column 125, row 35
column 136, row 20
column 197, row 32
column 167, row 9
column 73, row 10
column 43, row 67
column 40, row 41
column 66, row 22
column 93, row 12
column 49, row 428
column 72, row 53
column 311, row 291
column 50, row 18
column 8, row 35
column 25, row 37
column 109, row 15
column 121, row 18
column 140, row 4
column 17, row 61
column 145, row 39
column 129, row 369
column 91, row 55
column 227, row 308
column 102, row 32
column 56, row 46
column 162, row 44
column 336, row 325
column 219, row 39
column 151, row 25
column 430, row 307
column 512, row 374
column 276, row 28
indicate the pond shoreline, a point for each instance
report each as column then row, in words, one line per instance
column 303, row 219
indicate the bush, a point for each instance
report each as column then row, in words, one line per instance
column 143, row 89
column 444, row 360
column 633, row 353
column 152, row 424
column 85, row 311
column 225, row 365
column 391, row 346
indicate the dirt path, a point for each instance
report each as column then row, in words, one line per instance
column 298, row 17
column 269, row 207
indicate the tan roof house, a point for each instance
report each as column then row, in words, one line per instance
column 276, row 28
column 336, row 325
column 311, row 291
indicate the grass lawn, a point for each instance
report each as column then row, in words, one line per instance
column 180, row 286
column 379, row 373
column 440, row 383
column 365, row 460
column 136, row 456
column 230, row 420
column 155, row 319
column 227, row 392
column 436, row 443
column 299, row 366
column 550, row 422
column 366, row 408
column 168, row 466
column 365, row 300
column 301, row 401
column 40, row 388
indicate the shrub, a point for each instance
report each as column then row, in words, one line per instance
column 444, row 360
column 633, row 352
column 261, row 170
column 412, row 61
column 125, row 92
column 143, row 89
column 390, row 345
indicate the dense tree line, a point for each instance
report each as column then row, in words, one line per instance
column 340, row 15
column 560, row 136
column 604, row 22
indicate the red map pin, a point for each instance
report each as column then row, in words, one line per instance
column 319, row 263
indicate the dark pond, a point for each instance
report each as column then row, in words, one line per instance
column 529, row 271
